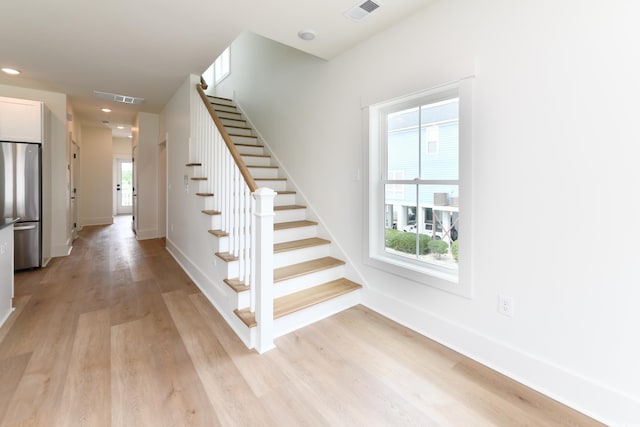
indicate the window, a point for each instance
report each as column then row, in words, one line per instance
column 220, row 68
column 417, row 154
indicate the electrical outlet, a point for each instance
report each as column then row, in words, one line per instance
column 505, row 305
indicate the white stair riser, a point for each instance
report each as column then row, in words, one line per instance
column 227, row 269
column 307, row 281
column 220, row 100
column 299, row 319
column 274, row 185
column 226, row 121
column 256, row 160
column 284, row 199
column 298, row 233
column 244, row 139
column 300, row 255
column 290, row 215
column 263, row 172
column 245, row 149
column 238, row 130
column 225, row 108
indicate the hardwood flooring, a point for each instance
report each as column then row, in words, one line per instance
column 117, row 335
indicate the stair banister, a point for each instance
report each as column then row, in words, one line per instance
column 230, row 145
column 247, row 213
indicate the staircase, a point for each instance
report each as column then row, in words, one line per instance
column 308, row 281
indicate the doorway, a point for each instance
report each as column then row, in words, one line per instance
column 124, row 187
column 74, row 182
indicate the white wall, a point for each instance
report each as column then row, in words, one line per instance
column 146, row 170
column 554, row 176
column 55, row 200
column 96, row 176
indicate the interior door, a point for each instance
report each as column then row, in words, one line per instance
column 124, row 187
column 134, row 201
column 74, row 182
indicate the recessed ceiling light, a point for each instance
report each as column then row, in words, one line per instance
column 11, row 71
column 106, row 110
column 307, row 35
column 120, row 127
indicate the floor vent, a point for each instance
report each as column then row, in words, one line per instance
column 361, row 11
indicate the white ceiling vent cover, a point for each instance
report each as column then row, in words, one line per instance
column 118, row 98
column 361, row 11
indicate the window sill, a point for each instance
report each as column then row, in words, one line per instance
column 425, row 275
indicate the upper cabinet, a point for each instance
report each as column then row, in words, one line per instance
column 20, row 120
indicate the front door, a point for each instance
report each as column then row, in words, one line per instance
column 124, row 187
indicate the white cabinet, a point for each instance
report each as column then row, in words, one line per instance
column 20, row 120
column 6, row 270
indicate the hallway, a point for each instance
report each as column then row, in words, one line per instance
column 116, row 334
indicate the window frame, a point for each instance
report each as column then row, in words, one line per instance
column 375, row 255
column 225, row 57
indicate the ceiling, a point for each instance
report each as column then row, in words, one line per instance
column 146, row 48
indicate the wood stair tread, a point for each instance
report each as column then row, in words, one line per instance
column 254, row 155
column 262, row 167
column 286, row 192
column 204, row 194
column 300, row 300
column 288, row 207
column 243, row 136
column 218, row 233
column 210, row 212
column 304, row 268
column 238, row 127
column 226, row 256
column 299, row 244
column 193, row 164
column 223, row 105
column 269, row 179
column 236, row 284
column 293, row 224
column 199, row 178
column 248, row 145
column 219, row 97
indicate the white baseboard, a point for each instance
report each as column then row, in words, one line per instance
column 6, row 316
column 60, row 251
column 598, row 401
column 107, row 220
column 146, row 234
column 215, row 293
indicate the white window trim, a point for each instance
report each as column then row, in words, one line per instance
column 375, row 256
column 217, row 79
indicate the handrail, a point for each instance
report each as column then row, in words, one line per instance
column 251, row 183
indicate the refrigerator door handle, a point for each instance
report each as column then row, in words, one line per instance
column 24, row 227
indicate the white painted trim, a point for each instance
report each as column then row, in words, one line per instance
column 603, row 403
column 107, row 220
column 7, row 316
column 146, row 234
column 213, row 292
column 59, row 251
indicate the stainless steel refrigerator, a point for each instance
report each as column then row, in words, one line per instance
column 20, row 197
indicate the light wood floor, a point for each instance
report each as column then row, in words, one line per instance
column 116, row 334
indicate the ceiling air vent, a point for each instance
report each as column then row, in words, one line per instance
column 361, row 11
column 118, row 98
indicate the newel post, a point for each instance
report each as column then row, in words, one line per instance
column 264, row 214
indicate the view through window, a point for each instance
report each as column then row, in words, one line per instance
column 421, row 182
